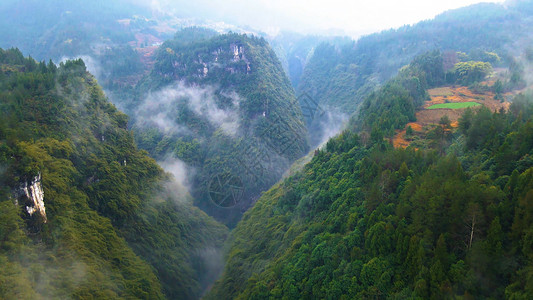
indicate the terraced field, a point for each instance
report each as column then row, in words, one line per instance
column 446, row 101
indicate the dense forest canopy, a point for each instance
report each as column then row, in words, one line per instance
column 229, row 112
column 339, row 76
column 111, row 228
column 365, row 220
column 426, row 194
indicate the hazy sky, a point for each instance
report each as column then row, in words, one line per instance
column 354, row 17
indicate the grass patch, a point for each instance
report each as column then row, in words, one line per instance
column 454, row 105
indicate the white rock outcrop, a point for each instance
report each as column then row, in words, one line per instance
column 34, row 197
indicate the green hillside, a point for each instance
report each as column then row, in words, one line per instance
column 341, row 76
column 107, row 226
column 364, row 220
column 294, row 51
column 203, row 184
column 223, row 105
column 63, row 28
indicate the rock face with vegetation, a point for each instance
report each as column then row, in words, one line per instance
column 83, row 212
column 223, row 105
column 408, row 202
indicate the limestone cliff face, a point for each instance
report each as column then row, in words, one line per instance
column 31, row 195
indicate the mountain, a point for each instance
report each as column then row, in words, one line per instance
column 84, row 212
column 366, row 220
column 116, row 39
column 338, row 77
column 426, row 194
column 64, row 28
column 223, row 105
column 343, row 75
column 122, row 45
column 294, row 51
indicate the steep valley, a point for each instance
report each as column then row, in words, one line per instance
column 145, row 154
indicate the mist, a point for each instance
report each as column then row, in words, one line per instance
column 160, row 109
column 211, row 261
column 72, row 268
column 178, row 188
column 331, row 124
column 337, row 17
column 92, row 64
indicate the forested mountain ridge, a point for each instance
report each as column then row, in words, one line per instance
column 84, row 213
column 116, row 39
column 64, row 28
column 341, row 76
column 112, row 37
column 224, row 106
column 365, row 220
column 294, row 51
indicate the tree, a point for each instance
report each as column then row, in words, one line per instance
column 497, row 88
column 409, row 132
column 469, row 72
column 465, row 121
column 445, row 122
column 471, row 220
column 441, row 251
column 403, row 171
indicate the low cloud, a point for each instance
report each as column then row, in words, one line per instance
column 93, row 65
column 211, row 262
column 160, row 109
column 71, row 271
column 179, row 186
column 328, row 125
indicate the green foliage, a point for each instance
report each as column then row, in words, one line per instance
column 64, row 28
column 374, row 222
column 393, row 106
column 342, row 76
column 489, row 57
column 112, row 231
column 295, row 50
column 480, row 55
column 497, row 88
column 409, row 131
column 191, row 35
column 469, row 72
column 238, row 75
column 331, row 81
column 516, row 80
